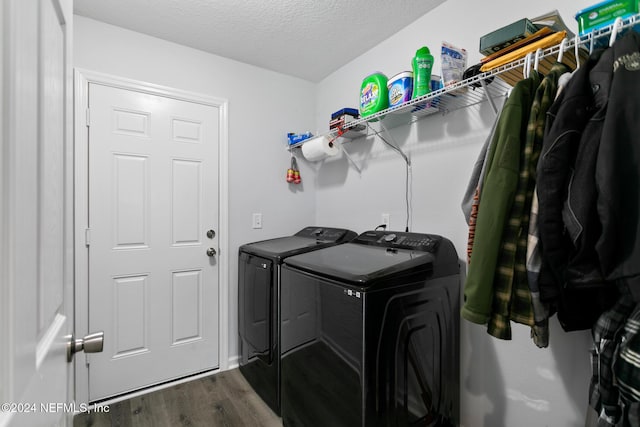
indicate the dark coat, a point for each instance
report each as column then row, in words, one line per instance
column 580, row 214
column 569, row 223
column 566, row 121
column 618, row 166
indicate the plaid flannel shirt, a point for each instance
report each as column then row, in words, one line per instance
column 512, row 296
column 611, row 332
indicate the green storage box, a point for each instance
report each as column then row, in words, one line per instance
column 506, row 36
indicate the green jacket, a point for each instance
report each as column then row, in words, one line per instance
column 512, row 296
column 496, row 199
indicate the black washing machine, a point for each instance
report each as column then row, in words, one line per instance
column 259, row 303
column 370, row 333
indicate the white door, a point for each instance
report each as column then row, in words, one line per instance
column 153, row 216
column 36, row 258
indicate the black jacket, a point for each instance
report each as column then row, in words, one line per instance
column 580, row 214
column 566, row 120
column 569, row 223
column 618, row 166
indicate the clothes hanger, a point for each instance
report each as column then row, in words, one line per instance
column 563, row 46
column 617, row 26
column 526, row 67
column 536, row 61
column 576, row 48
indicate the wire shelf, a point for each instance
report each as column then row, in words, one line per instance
column 484, row 87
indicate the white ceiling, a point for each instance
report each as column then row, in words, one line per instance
column 304, row 38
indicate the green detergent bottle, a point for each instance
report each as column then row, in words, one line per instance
column 421, row 64
column 374, row 95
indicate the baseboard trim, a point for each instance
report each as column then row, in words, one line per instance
column 125, row 396
column 234, row 362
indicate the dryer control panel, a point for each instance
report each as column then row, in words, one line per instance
column 400, row 240
column 326, row 234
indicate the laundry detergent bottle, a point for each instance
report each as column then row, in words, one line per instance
column 421, row 64
column 374, row 94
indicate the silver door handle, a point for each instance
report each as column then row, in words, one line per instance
column 211, row 252
column 92, row 343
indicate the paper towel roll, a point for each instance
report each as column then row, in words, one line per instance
column 319, row 148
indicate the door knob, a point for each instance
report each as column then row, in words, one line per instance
column 211, row 234
column 211, row 252
column 92, row 343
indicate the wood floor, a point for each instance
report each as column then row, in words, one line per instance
column 223, row 399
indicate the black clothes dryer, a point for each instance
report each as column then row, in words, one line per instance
column 258, row 303
column 370, row 333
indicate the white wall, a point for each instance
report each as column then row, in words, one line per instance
column 503, row 383
column 263, row 107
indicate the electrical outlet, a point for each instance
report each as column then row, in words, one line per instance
column 386, row 219
column 257, row 220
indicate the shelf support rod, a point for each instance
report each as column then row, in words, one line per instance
column 489, row 97
column 353, row 162
column 395, row 145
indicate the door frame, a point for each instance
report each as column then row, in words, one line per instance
column 5, row 213
column 82, row 79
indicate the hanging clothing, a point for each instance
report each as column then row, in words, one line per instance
column 496, row 198
column 606, row 336
column 471, row 198
column 541, row 310
column 569, row 277
column 627, row 366
column 512, row 295
column 579, row 213
column 566, row 121
column 613, row 328
column 615, row 385
column 534, row 257
column 618, row 171
column 477, row 175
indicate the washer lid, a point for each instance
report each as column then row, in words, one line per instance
column 282, row 247
column 361, row 264
column 308, row 239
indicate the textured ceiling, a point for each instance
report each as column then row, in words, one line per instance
column 304, row 38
